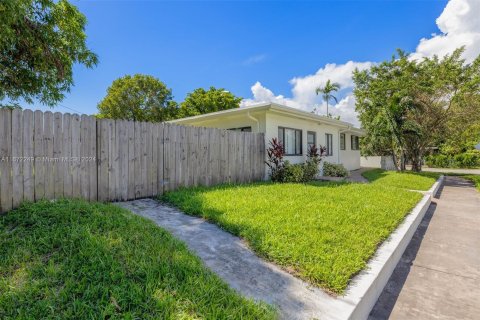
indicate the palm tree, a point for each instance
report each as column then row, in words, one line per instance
column 326, row 92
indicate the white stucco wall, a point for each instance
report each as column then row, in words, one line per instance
column 273, row 121
column 268, row 123
column 383, row 162
column 349, row 158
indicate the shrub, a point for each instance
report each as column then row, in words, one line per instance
column 275, row 162
column 293, row 172
column 314, row 157
column 310, row 171
column 284, row 171
column 470, row 159
column 334, row 170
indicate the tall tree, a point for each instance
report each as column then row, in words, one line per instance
column 202, row 101
column 327, row 92
column 406, row 105
column 40, row 41
column 139, row 98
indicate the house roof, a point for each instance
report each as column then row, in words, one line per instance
column 269, row 106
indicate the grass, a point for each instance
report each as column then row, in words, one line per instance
column 405, row 180
column 322, row 232
column 76, row 260
column 474, row 178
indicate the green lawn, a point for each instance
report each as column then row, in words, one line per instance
column 405, row 180
column 474, row 178
column 75, row 260
column 323, row 232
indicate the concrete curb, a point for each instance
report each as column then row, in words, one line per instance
column 436, row 186
column 367, row 286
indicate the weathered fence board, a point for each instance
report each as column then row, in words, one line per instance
column 17, row 154
column 27, row 160
column 160, row 157
column 6, row 190
column 131, row 159
column 75, row 163
column 58, row 154
column 38, row 151
column 66, row 156
column 91, row 158
column 47, row 155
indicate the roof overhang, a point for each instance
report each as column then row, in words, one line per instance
column 278, row 109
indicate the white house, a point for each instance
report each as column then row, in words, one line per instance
column 294, row 128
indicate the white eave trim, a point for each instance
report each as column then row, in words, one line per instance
column 277, row 108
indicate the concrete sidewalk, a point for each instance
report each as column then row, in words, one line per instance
column 438, row 276
column 449, row 170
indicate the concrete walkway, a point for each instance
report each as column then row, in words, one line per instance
column 230, row 258
column 356, row 175
column 438, row 276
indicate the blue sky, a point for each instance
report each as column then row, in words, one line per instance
column 235, row 44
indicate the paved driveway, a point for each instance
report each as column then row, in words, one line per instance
column 438, row 276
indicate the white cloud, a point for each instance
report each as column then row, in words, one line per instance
column 304, row 96
column 254, row 59
column 262, row 94
column 459, row 24
column 304, row 87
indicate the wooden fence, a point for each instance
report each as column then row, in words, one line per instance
column 45, row 155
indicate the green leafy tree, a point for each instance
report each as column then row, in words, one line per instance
column 460, row 141
column 40, row 41
column 202, row 101
column 381, row 101
column 327, row 92
column 139, row 98
column 407, row 106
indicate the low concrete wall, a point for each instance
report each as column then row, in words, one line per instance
column 382, row 162
column 369, row 284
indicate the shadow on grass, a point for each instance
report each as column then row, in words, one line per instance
column 379, row 174
column 73, row 259
column 282, row 222
column 192, row 202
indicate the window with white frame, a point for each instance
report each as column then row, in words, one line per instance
column 342, row 141
column 311, row 138
column 329, row 144
column 355, row 142
column 291, row 139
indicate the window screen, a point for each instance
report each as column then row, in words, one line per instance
column 355, row 143
column 342, row 141
column 311, row 138
column 329, row 143
column 291, row 140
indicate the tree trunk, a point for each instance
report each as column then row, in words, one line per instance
column 395, row 161
column 417, row 162
column 403, row 161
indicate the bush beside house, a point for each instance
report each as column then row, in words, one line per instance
column 334, row 170
column 283, row 171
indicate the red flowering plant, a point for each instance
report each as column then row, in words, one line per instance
column 275, row 154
